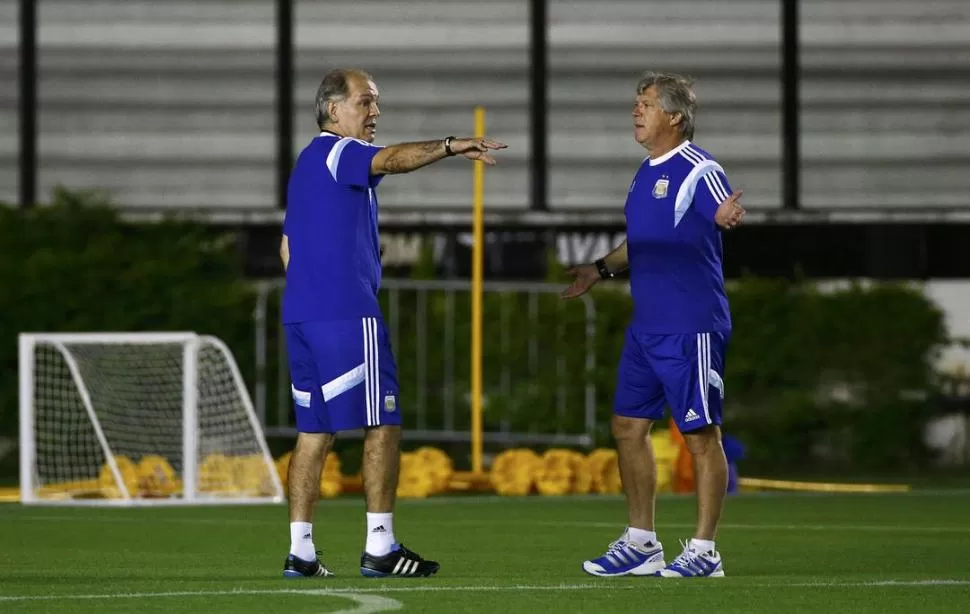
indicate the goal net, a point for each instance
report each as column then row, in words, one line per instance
column 138, row 419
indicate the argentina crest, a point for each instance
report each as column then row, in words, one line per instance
column 390, row 403
column 660, row 188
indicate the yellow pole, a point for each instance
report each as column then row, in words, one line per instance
column 478, row 248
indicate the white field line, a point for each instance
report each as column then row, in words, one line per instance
column 902, row 528
column 357, row 592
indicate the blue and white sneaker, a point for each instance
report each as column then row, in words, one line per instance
column 625, row 558
column 694, row 564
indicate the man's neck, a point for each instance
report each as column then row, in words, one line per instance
column 331, row 129
column 665, row 146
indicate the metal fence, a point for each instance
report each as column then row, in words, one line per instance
column 538, row 385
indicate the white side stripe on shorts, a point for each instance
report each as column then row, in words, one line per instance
column 704, row 370
column 716, row 381
column 372, row 379
column 343, row 383
column 302, row 397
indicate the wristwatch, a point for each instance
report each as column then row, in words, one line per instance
column 604, row 270
column 448, row 140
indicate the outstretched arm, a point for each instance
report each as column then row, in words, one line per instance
column 407, row 157
column 285, row 251
column 586, row 275
column 716, row 202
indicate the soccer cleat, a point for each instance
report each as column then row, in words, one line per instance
column 693, row 564
column 624, row 558
column 295, row 567
column 399, row 562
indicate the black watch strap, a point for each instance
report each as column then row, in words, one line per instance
column 448, row 140
column 604, row 270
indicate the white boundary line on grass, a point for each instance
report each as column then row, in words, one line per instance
column 771, row 527
column 366, row 603
column 368, row 599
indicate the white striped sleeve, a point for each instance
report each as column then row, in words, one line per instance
column 349, row 162
column 697, row 188
column 712, row 190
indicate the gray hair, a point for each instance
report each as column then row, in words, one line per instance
column 675, row 93
column 334, row 88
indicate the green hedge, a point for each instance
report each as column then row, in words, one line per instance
column 814, row 379
column 840, row 379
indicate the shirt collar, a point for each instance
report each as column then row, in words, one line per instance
column 670, row 154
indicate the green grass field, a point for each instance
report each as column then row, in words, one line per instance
column 782, row 553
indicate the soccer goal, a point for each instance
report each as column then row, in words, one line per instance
column 132, row 419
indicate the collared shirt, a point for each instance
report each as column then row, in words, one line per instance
column 674, row 246
column 334, row 271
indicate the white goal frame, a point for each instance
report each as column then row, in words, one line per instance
column 191, row 344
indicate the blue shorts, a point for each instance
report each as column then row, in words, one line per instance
column 684, row 372
column 343, row 375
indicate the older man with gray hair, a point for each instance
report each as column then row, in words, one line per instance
column 341, row 364
column 673, row 355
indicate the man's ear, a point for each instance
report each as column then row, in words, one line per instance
column 332, row 111
column 676, row 118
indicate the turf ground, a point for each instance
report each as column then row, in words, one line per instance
column 782, row 553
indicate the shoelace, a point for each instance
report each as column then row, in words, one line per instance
column 615, row 549
column 621, row 544
column 687, row 558
column 616, row 546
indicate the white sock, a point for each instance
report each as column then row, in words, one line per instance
column 641, row 537
column 702, row 545
column 301, row 541
column 380, row 534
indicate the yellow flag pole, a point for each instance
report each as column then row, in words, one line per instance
column 478, row 248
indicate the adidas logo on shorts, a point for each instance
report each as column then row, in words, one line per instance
column 691, row 416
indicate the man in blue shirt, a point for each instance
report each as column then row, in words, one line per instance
column 341, row 364
column 677, row 206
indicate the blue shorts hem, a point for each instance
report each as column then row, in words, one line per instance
column 655, row 416
column 690, row 427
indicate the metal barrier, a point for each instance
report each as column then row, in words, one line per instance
column 529, row 372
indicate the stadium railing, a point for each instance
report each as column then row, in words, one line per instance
column 530, row 376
